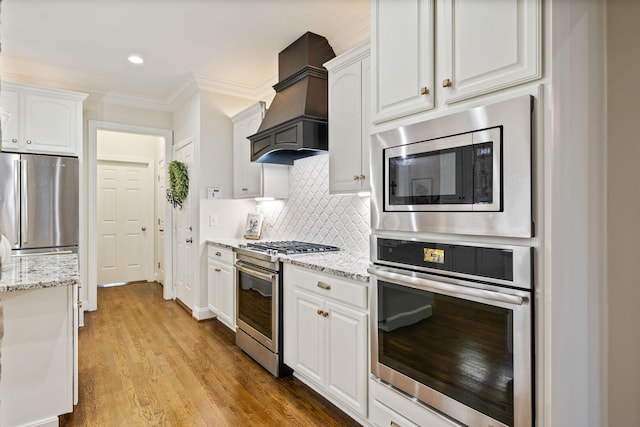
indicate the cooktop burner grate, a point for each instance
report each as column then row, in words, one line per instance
column 293, row 247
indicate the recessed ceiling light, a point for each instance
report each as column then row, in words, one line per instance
column 135, row 59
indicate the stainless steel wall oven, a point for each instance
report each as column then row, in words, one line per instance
column 451, row 326
column 465, row 173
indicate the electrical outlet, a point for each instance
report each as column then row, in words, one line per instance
column 213, row 220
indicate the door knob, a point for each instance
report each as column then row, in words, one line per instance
column 144, row 228
column 188, row 240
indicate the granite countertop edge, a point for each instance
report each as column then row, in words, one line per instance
column 21, row 273
column 350, row 265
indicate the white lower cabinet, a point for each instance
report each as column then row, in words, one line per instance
column 39, row 363
column 326, row 334
column 221, row 285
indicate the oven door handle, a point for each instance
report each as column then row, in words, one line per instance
column 446, row 288
column 244, row 267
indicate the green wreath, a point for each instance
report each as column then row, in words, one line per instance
column 178, row 183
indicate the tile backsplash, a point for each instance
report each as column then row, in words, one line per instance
column 311, row 214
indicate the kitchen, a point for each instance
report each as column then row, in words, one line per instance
column 587, row 379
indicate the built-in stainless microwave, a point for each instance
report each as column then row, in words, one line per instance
column 465, row 173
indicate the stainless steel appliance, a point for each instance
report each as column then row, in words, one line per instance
column 451, row 326
column 39, row 202
column 259, row 299
column 466, row 173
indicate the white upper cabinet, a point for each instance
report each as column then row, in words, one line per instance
column 487, row 45
column 479, row 47
column 349, row 121
column 36, row 120
column 252, row 179
column 403, row 58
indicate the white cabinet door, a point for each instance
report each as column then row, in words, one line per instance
column 486, row 46
column 225, row 295
column 50, row 124
column 347, row 353
column 10, row 118
column 309, row 337
column 247, row 175
column 221, row 294
column 403, row 57
column 251, row 179
column 349, row 117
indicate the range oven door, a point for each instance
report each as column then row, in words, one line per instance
column 458, row 173
column 257, row 303
column 465, row 351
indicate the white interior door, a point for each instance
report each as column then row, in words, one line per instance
column 183, row 236
column 125, row 218
column 160, row 225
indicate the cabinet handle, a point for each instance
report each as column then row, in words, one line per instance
column 245, row 189
column 15, row 141
column 362, row 177
column 217, row 270
column 356, row 177
column 325, row 314
column 79, row 303
column 447, row 83
column 218, row 254
column 28, row 141
column 394, row 424
column 323, row 285
column 424, row 91
column 320, row 312
column 161, row 230
column 188, row 240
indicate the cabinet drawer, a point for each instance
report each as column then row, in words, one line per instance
column 383, row 416
column 329, row 286
column 220, row 254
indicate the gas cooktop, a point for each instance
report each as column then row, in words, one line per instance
column 290, row 247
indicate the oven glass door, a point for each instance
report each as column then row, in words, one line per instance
column 462, row 348
column 454, row 173
column 256, row 304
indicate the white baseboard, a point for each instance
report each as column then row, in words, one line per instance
column 202, row 313
column 47, row 422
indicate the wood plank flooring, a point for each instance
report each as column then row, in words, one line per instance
column 144, row 361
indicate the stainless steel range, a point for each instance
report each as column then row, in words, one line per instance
column 259, row 299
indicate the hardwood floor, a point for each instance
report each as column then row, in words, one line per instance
column 144, row 361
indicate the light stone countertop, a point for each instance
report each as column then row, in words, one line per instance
column 350, row 265
column 39, row 271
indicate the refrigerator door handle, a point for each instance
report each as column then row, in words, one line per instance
column 25, row 203
column 16, row 199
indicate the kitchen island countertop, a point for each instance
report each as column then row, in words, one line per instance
column 39, row 271
column 350, row 265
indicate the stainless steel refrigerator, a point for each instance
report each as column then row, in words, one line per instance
column 39, row 202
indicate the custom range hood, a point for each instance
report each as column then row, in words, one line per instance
column 295, row 125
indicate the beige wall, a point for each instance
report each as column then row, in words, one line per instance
column 130, row 145
column 623, row 187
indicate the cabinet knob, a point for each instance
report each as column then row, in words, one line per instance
column 143, row 228
column 323, row 285
column 319, row 312
column 356, row 177
column 325, row 314
column 79, row 304
column 424, row 91
column 362, row 177
column 447, row 83
column 218, row 254
column 28, row 141
column 14, row 140
column 188, row 240
column 217, row 270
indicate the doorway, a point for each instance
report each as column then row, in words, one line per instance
column 89, row 259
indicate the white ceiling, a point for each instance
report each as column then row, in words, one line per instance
column 229, row 46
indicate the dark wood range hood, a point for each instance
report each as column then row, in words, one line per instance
column 295, row 125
